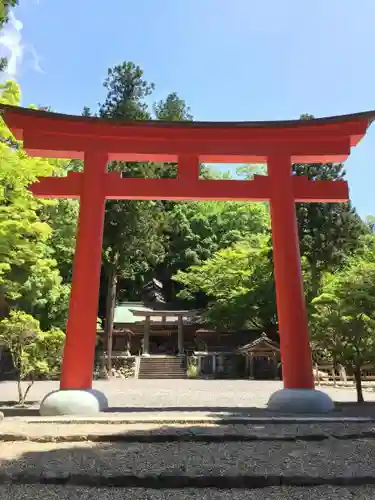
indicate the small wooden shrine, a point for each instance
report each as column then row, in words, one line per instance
column 262, row 358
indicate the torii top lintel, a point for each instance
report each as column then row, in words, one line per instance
column 53, row 135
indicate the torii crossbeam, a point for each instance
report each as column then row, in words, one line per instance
column 279, row 144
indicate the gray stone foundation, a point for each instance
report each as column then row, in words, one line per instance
column 73, row 402
column 300, row 401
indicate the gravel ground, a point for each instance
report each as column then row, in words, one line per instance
column 70, row 493
column 190, row 394
column 50, row 432
column 326, row 459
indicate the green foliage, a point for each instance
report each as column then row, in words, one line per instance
column 247, row 172
column 172, row 109
column 192, row 369
column 34, row 353
column 328, row 232
column 29, row 277
column 343, row 317
column 370, row 221
column 132, row 239
column 126, row 93
column 5, row 6
column 196, row 230
column 238, row 282
column 62, row 217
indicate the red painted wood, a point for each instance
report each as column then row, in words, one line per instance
column 79, row 351
column 97, row 141
column 325, row 149
column 291, row 309
column 193, row 189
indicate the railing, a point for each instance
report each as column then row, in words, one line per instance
column 326, row 373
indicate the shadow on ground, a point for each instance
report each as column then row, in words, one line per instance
column 342, row 409
column 259, row 464
column 366, row 409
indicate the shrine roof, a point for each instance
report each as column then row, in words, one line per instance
column 262, row 342
column 137, row 312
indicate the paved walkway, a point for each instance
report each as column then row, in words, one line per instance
column 179, row 395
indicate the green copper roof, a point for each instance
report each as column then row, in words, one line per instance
column 124, row 315
column 123, row 312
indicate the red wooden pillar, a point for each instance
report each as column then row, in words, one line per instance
column 79, row 351
column 291, row 308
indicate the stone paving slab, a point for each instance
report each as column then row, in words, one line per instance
column 192, row 417
column 250, row 465
column 23, row 430
column 25, row 492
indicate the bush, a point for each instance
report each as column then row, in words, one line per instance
column 192, row 370
column 34, row 352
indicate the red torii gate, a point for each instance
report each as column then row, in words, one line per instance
column 279, row 144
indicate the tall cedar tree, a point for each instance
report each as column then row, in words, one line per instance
column 132, row 240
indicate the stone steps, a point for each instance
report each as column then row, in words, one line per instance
column 171, row 367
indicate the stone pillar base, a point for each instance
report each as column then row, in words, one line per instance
column 300, row 401
column 73, row 402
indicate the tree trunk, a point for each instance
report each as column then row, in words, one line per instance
column 315, row 282
column 110, row 310
column 27, row 391
column 358, row 382
column 20, row 394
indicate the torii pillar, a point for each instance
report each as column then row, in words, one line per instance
column 97, row 141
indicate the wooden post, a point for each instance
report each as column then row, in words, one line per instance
column 79, row 350
column 146, row 337
column 251, row 361
column 180, row 335
column 292, row 316
column 110, row 311
column 214, row 364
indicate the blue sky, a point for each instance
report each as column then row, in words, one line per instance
column 230, row 60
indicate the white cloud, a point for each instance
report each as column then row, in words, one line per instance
column 11, row 45
column 13, row 48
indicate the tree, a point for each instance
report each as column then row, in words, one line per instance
column 247, row 172
column 197, row 230
column 370, row 221
column 62, row 217
column 5, row 6
column 238, row 281
column 343, row 318
column 132, row 240
column 173, row 108
column 29, row 277
column 328, row 232
column 34, row 353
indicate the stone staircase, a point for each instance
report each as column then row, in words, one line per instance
column 157, row 367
